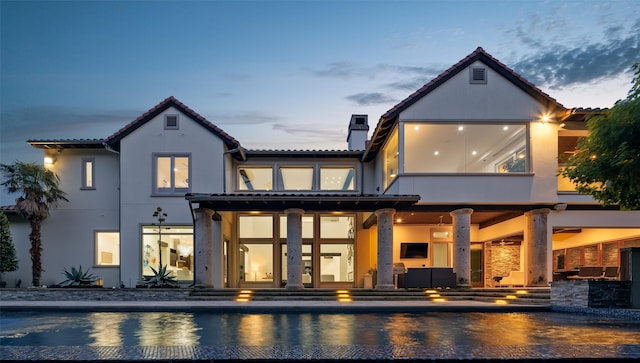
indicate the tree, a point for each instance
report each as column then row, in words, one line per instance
column 8, row 258
column 40, row 192
column 607, row 163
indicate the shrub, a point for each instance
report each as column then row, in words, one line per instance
column 78, row 278
column 160, row 278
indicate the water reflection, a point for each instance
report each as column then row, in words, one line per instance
column 106, row 329
column 167, row 329
column 427, row 329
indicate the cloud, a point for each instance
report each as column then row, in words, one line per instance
column 328, row 134
column 243, row 118
column 561, row 66
column 339, row 70
column 54, row 121
column 367, row 99
column 608, row 50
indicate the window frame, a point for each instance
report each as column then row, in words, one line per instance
column 85, row 182
column 97, row 254
column 171, row 191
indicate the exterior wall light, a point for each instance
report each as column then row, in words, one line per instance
column 49, row 160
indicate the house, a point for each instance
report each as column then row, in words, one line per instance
column 459, row 178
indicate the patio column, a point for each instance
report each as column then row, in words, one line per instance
column 385, row 249
column 536, row 243
column 203, row 249
column 294, row 248
column 462, row 246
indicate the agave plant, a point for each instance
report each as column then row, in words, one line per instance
column 77, row 277
column 160, row 278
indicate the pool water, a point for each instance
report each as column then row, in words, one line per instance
column 229, row 329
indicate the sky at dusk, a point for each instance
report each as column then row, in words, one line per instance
column 286, row 74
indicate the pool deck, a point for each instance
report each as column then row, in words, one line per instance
column 590, row 351
column 270, row 306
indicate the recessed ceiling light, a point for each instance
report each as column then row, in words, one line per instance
column 436, row 152
column 505, row 128
column 474, row 152
column 460, row 128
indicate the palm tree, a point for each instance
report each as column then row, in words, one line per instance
column 40, row 193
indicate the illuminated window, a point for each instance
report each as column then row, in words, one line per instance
column 465, row 148
column 88, row 173
column 107, row 248
column 172, row 247
column 332, row 178
column 172, row 174
column 255, row 178
column 391, row 159
column 296, row 178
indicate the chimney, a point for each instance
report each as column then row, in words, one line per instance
column 358, row 132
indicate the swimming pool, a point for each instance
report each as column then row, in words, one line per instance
column 432, row 329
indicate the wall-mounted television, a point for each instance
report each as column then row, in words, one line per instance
column 414, row 250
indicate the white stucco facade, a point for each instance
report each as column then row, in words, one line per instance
column 219, row 178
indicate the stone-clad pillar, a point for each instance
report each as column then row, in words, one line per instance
column 203, row 249
column 385, row 249
column 462, row 246
column 536, row 244
column 294, row 249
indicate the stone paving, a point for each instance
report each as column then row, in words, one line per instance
column 284, row 353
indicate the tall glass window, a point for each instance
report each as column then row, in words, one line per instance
column 107, row 248
column 88, row 173
column 465, row 148
column 391, row 155
column 172, row 246
column 255, row 178
column 332, row 178
column 337, row 235
column 256, row 248
column 172, row 174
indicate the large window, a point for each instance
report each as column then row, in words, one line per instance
column 172, row 174
column 465, row 148
column 107, row 248
column 256, row 248
column 337, row 258
column 296, row 178
column 171, row 246
column 333, row 178
column 255, row 178
column 391, row 155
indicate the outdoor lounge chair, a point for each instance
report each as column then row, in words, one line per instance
column 588, row 273
column 514, row 278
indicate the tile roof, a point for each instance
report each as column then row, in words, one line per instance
column 67, row 143
column 8, row 209
column 114, row 140
column 306, row 201
column 388, row 119
column 305, row 153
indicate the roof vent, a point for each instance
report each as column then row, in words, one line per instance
column 478, row 75
column 171, row 122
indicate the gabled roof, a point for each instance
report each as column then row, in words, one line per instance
column 386, row 122
column 114, row 140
